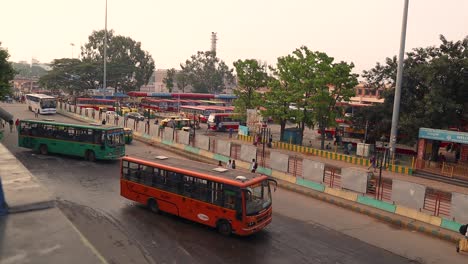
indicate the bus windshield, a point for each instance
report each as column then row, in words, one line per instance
column 115, row 139
column 258, row 197
column 48, row 103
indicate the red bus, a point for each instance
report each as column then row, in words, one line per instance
column 224, row 121
column 154, row 104
column 97, row 104
column 203, row 193
column 202, row 112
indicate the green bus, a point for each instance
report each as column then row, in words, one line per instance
column 89, row 141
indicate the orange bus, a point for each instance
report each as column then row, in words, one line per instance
column 200, row 192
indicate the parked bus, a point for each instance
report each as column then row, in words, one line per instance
column 89, row 141
column 202, row 112
column 102, row 105
column 200, row 192
column 224, row 121
column 41, row 103
column 157, row 105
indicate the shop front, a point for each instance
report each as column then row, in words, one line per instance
column 443, row 152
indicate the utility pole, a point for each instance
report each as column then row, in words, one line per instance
column 396, row 103
column 104, row 85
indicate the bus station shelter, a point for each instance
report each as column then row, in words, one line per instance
column 443, row 152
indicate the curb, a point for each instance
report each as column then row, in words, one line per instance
column 31, row 207
column 3, row 205
column 398, row 221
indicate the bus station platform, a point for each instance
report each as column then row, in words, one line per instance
column 32, row 229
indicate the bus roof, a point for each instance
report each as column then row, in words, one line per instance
column 201, row 170
column 47, row 122
column 41, row 96
column 96, row 99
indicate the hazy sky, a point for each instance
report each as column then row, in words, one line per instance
column 359, row 31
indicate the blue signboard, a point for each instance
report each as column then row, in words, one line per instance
column 243, row 130
column 444, row 135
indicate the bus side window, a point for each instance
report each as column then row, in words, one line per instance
column 147, row 175
column 125, row 170
column 218, row 195
column 230, row 201
column 97, row 137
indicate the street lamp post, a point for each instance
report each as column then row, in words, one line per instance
column 104, row 85
column 396, row 102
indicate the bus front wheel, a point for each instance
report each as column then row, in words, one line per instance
column 224, row 228
column 90, row 155
column 43, row 149
column 153, row 206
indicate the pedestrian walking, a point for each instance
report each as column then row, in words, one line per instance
column 116, row 120
column 36, row 114
column 230, row 132
column 253, row 166
column 373, row 163
column 233, row 164
column 270, row 141
column 147, row 126
column 17, row 122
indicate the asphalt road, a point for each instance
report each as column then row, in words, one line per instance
column 304, row 230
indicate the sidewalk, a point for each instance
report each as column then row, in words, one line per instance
column 34, row 231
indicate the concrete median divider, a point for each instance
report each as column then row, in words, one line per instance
column 310, row 184
column 351, row 196
column 417, row 215
column 377, row 204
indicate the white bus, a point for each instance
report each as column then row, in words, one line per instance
column 42, row 103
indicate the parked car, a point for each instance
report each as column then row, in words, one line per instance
column 135, row 116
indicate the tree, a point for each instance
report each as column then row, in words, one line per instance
column 7, row 73
column 181, row 81
column 128, row 66
column 277, row 102
column 434, row 88
column 314, row 84
column 28, row 70
column 206, row 73
column 250, row 77
column 72, row 75
column 169, row 79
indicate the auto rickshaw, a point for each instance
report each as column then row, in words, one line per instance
column 128, row 135
column 124, row 110
column 177, row 123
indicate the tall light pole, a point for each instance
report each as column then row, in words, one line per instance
column 104, row 84
column 396, row 103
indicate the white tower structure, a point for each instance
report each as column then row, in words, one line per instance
column 213, row 42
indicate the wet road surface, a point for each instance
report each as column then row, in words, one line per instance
column 125, row 232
